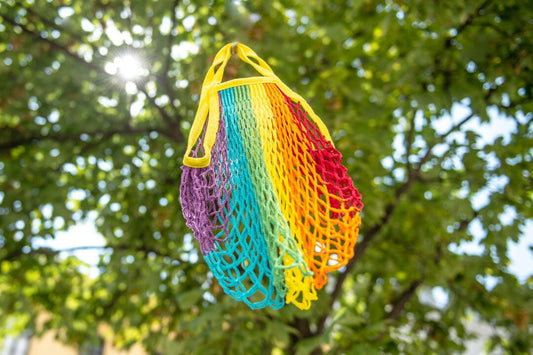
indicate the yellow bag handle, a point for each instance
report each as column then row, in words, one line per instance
column 206, row 107
column 209, row 105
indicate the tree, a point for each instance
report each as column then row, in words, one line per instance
column 405, row 87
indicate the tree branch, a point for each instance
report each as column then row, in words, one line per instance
column 168, row 59
column 52, row 24
column 441, row 139
column 121, row 247
column 173, row 130
column 53, row 252
column 303, row 327
column 83, row 247
column 361, row 247
column 403, row 298
column 104, row 134
column 472, row 16
column 447, row 73
column 467, row 22
column 463, row 224
column 53, row 44
column 409, row 143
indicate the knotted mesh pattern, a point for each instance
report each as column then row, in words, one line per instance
column 204, row 195
column 332, row 227
column 316, row 195
column 222, row 219
column 288, row 261
column 274, row 211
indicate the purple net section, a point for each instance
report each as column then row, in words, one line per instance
column 224, row 217
column 205, row 193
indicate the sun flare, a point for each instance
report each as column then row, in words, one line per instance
column 128, row 67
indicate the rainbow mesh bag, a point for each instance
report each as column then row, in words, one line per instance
column 263, row 189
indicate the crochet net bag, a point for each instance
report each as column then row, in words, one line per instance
column 263, row 189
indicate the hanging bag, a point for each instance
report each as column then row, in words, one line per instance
column 263, row 189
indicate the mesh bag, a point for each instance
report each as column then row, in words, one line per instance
column 263, row 189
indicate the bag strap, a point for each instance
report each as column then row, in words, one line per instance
column 214, row 75
column 209, row 104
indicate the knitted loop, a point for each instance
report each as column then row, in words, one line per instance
column 264, row 191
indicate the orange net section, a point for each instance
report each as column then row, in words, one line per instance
column 316, row 194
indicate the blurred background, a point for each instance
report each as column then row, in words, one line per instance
column 429, row 102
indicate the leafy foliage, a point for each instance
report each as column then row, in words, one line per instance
column 407, row 88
